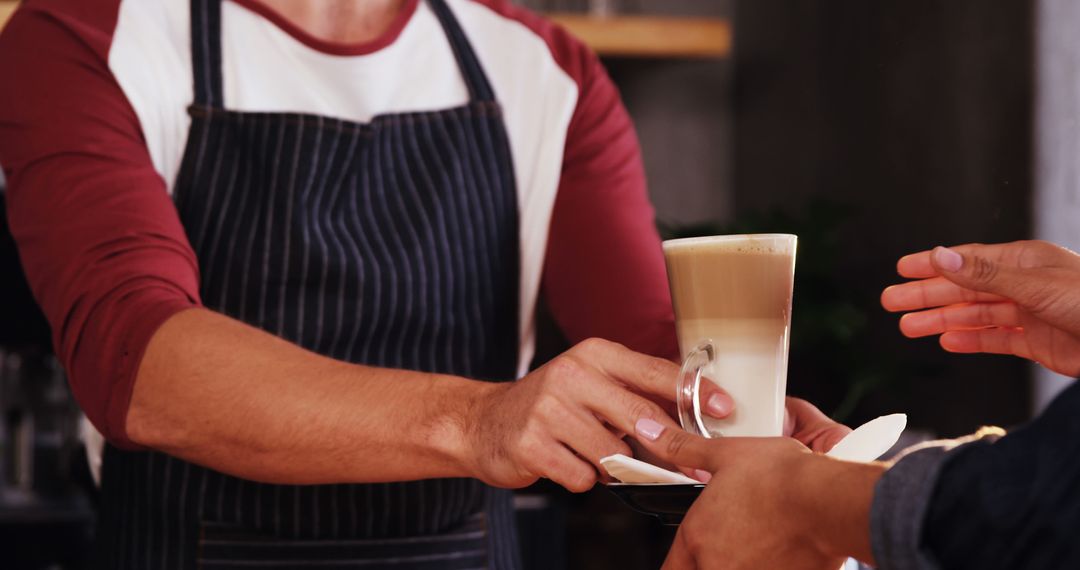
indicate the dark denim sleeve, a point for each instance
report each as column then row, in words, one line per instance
column 1008, row 503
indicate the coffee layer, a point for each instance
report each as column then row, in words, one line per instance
column 723, row 281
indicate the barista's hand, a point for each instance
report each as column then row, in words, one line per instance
column 558, row 421
column 770, row 503
column 1020, row 298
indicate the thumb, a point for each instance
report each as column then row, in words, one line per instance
column 678, row 447
column 968, row 269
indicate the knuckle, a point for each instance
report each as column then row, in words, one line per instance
column 593, row 344
column 547, row 406
column 661, row 370
column 983, row 270
column 529, row 441
column 1048, row 254
column 564, row 369
column 606, row 449
column 1038, row 252
column 640, row 408
column 675, row 444
column 583, row 481
column 1029, row 253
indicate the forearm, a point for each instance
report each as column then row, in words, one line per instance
column 216, row 392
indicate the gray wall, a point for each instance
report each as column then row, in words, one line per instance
column 1057, row 143
column 683, row 113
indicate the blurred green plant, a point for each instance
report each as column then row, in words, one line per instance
column 832, row 358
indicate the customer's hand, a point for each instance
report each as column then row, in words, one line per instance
column 770, row 503
column 1020, row 298
column 802, row 422
column 807, row 424
column 558, row 421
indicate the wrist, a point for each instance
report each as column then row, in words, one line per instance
column 837, row 496
column 455, row 429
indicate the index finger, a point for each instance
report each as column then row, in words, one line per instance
column 622, row 408
column 928, row 293
column 916, row 266
column 651, row 375
column 644, row 373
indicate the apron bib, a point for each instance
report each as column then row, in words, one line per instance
column 392, row 243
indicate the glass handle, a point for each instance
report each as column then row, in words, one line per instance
column 688, row 397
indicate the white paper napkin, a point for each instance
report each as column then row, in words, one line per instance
column 870, row 440
column 630, row 470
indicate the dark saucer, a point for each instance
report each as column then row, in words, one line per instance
column 667, row 502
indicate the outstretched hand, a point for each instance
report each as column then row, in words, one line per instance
column 1020, row 298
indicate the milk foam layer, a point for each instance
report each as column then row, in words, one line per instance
column 780, row 244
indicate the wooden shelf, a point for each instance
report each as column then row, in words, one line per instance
column 650, row 36
column 6, row 9
column 620, row 36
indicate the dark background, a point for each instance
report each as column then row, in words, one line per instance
column 871, row 129
column 915, row 117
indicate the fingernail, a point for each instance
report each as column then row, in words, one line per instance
column 718, row 405
column 948, row 259
column 648, row 429
column 702, row 475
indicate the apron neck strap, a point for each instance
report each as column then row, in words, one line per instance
column 206, row 52
column 207, row 62
column 471, row 70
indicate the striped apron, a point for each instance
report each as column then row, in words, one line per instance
column 392, row 243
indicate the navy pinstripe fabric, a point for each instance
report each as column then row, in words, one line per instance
column 392, row 243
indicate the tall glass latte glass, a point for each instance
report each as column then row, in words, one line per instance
column 732, row 297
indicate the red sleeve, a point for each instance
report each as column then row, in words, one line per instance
column 98, row 236
column 604, row 273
